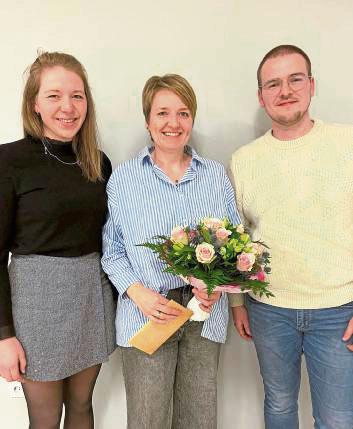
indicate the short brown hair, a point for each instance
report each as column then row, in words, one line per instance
column 173, row 82
column 279, row 51
column 85, row 143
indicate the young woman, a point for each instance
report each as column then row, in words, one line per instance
column 166, row 185
column 56, row 306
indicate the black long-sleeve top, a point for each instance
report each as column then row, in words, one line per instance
column 46, row 208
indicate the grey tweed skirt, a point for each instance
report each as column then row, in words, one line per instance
column 64, row 313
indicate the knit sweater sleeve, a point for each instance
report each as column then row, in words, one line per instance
column 7, row 219
column 238, row 179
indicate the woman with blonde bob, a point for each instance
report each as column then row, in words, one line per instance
column 166, row 185
column 56, row 306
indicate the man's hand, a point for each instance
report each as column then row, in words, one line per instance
column 241, row 322
column 348, row 334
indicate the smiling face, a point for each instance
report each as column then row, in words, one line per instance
column 61, row 103
column 170, row 121
column 287, row 107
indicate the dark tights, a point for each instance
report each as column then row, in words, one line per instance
column 45, row 401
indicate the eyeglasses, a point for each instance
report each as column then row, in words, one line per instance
column 295, row 81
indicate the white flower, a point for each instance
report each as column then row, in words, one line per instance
column 257, row 248
column 213, row 223
column 240, row 229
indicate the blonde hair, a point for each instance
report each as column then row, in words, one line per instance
column 85, row 142
column 173, row 82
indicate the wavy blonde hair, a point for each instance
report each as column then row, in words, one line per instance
column 85, row 142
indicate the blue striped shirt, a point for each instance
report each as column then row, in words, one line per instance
column 144, row 202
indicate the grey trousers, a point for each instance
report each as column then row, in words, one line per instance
column 176, row 387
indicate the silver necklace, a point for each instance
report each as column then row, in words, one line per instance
column 47, row 152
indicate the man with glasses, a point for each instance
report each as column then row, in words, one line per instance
column 294, row 188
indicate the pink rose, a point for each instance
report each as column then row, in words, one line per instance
column 205, row 253
column 245, row 261
column 222, row 234
column 179, row 235
column 259, row 276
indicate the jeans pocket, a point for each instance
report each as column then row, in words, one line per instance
column 251, row 300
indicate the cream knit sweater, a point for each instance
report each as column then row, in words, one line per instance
column 297, row 197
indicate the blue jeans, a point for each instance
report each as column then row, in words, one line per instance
column 281, row 336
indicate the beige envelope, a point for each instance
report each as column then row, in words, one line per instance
column 151, row 336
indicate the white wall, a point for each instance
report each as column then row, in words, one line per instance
column 217, row 45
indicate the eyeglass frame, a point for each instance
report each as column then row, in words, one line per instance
column 307, row 76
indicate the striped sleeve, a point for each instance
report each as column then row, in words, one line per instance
column 232, row 210
column 115, row 261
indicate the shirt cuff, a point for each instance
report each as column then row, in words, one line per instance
column 236, row 299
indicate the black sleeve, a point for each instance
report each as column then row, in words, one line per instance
column 106, row 167
column 7, row 220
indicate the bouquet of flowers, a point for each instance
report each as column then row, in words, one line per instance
column 215, row 255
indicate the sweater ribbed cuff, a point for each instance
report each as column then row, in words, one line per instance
column 7, row 332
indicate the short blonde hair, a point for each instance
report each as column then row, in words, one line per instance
column 85, row 143
column 280, row 51
column 172, row 82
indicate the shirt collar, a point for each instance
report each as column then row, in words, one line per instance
column 145, row 155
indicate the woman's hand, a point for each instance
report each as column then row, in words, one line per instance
column 12, row 360
column 152, row 304
column 206, row 302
